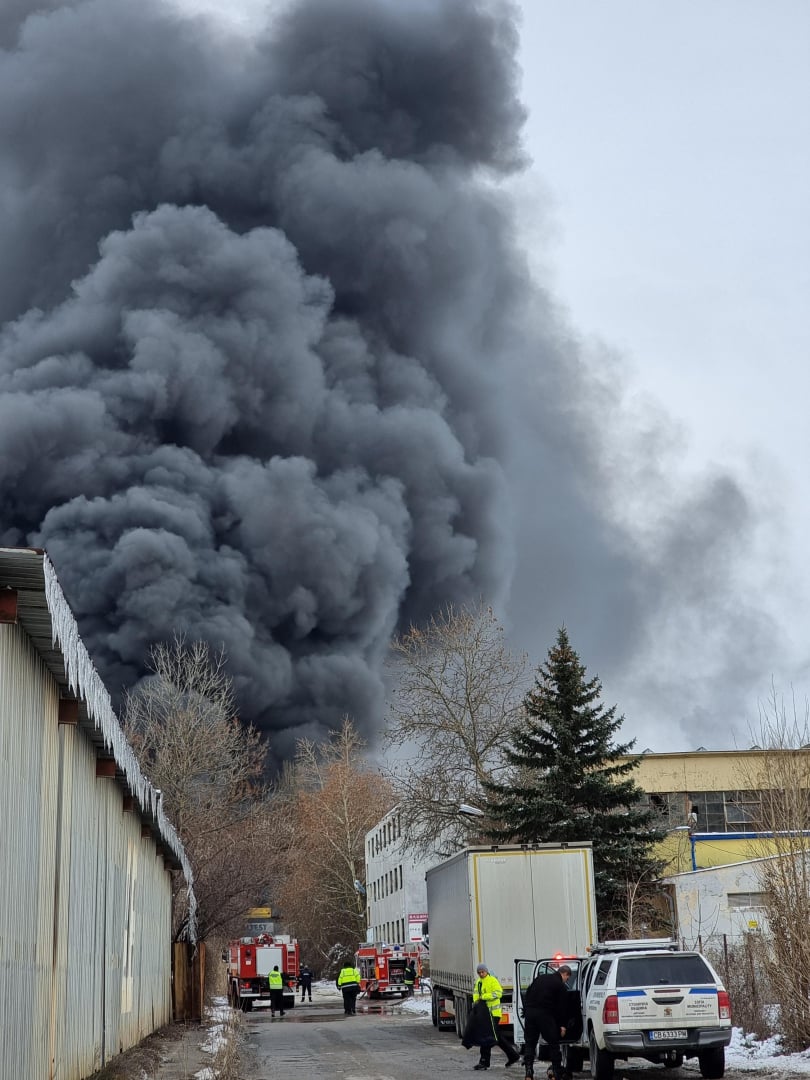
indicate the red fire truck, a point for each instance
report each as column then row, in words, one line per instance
column 382, row 968
column 251, row 959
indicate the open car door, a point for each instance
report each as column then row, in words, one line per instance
column 526, row 971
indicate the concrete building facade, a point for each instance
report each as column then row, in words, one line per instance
column 396, row 893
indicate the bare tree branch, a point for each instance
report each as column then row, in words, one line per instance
column 457, row 692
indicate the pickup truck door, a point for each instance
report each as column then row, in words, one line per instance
column 526, row 971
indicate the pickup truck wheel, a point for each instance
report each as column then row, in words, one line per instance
column 712, row 1063
column 601, row 1061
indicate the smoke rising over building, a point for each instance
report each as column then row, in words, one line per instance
column 272, row 369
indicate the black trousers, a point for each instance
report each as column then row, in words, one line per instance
column 306, row 989
column 350, row 999
column 500, row 1040
column 538, row 1022
column 277, row 1001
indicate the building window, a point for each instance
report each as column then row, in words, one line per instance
column 708, row 811
column 747, row 899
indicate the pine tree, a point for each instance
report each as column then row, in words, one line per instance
column 570, row 781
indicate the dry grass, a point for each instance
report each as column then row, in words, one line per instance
column 145, row 1061
column 184, row 1051
column 744, row 970
column 226, row 1062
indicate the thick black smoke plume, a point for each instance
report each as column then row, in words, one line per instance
column 271, row 368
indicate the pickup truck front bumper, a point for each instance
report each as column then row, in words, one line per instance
column 639, row 1042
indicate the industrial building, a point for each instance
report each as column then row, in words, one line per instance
column 396, row 894
column 87, row 856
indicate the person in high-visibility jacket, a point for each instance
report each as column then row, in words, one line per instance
column 276, row 984
column 348, row 982
column 489, row 992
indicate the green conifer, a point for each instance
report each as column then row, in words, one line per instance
column 569, row 781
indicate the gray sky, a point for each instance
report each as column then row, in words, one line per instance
column 672, row 143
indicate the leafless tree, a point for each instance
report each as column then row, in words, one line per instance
column 782, row 775
column 210, row 770
column 333, row 798
column 457, row 691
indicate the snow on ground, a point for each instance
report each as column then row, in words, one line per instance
column 745, row 1054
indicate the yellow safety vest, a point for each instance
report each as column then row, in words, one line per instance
column 275, row 980
column 348, row 975
column 490, row 991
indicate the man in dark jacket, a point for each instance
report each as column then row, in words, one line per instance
column 305, row 982
column 546, row 1008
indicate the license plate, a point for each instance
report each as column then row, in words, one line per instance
column 672, row 1033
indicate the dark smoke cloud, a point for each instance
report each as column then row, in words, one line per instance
column 271, row 368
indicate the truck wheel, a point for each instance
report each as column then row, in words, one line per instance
column 246, row 1004
column 712, row 1063
column 434, row 1008
column 601, row 1061
column 461, row 1014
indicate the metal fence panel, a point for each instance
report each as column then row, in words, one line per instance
column 85, row 899
column 28, row 770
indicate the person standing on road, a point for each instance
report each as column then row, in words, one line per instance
column 348, row 982
column 305, row 982
column 276, row 983
column 546, row 1007
column 489, row 991
column 410, row 976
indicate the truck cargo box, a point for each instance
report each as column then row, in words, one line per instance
column 495, row 904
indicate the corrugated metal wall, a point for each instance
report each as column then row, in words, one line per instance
column 85, row 900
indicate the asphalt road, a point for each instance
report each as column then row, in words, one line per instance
column 385, row 1042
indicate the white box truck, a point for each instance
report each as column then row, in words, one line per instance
column 498, row 904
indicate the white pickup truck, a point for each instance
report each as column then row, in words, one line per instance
column 643, row 998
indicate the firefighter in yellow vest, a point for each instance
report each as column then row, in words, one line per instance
column 348, row 982
column 276, row 984
column 489, row 992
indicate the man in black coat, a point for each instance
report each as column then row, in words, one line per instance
column 305, row 982
column 546, row 1008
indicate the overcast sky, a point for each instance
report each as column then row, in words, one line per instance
column 666, row 209
column 673, row 145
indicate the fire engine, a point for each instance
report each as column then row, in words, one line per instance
column 382, row 968
column 251, row 959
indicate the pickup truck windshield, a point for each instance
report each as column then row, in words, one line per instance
column 669, row 968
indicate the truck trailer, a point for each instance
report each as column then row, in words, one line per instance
column 496, row 904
